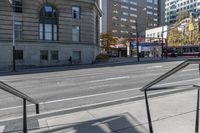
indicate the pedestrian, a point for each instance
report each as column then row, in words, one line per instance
column 70, row 60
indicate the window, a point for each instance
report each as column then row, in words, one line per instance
column 18, row 30
column 150, row 1
column 76, row 57
column 125, row 13
column 133, row 9
column 133, row 27
column 54, row 55
column 125, row 1
column 132, row 21
column 150, row 13
column 17, row 6
column 124, row 7
column 115, row 11
column 19, row 55
column 48, row 23
column 114, row 31
column 124, row 31
column 133, row 15
column 115, row 18
column 76, row 12
column 75, row 33
column 156, row 2
column 123, row 19
column 43, row 55
column 133, row 3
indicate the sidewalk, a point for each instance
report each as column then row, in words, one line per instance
column 111, row 62
column 144, row 60
column 173, row 113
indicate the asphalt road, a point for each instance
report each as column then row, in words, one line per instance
column 64, row 89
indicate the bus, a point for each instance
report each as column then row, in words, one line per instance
column 185, row 51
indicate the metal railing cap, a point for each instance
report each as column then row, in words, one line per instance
column 17, row 93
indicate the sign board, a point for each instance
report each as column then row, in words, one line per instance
column 191, row 26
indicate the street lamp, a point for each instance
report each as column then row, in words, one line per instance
column 13, row 35
column 137, row 34
column 163, row 25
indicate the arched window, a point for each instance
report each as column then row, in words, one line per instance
column 48, row 23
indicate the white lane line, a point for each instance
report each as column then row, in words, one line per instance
column 101, row 86
column 100, row 94
column 2, row 129
column 110, row 79
column 188, row 70
column 177, row 82
column 154, row 67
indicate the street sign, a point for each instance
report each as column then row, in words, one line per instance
column 191, row 27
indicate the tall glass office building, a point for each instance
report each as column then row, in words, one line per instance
column 174, row 7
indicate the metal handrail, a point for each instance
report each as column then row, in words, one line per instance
column 17, row 93
column 171, row 72
column 25, row 98
column 164, row 76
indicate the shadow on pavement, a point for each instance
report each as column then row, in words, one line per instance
column 47, row 69
column 122, row 123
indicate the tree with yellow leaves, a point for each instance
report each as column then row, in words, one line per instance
column 189, row 34
column 107, row 39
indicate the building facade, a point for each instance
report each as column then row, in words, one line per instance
column 161, row 12
column 49, row 32
column 174, row 7
column 156, row 33
column 122, row 17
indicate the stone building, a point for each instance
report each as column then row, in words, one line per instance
column 49, row 32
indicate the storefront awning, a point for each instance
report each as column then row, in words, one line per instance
column 145, row 44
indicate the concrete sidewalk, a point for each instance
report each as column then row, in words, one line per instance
column 146, row 59
column 173, row 113
column 111, row 62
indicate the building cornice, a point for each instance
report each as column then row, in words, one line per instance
column 94, row 2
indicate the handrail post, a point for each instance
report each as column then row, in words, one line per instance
column 148, row 112
column 197, row 110
column 37, row 109
column 24, row 117
column 197, row 114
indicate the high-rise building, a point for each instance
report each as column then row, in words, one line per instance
column 122, row 17
column 174, row 7
column 161, row 13
column 170, row 11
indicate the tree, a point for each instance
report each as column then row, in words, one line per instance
column 181, row 16
column 107, row 40
column 174, row 38
column 189, row 33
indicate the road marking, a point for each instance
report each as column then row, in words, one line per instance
column 154, row 67
column 100, row 94
column 110, row 79
column 101, row 86
column 188, row 70
column 177, row 82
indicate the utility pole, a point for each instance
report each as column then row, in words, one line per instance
column 13, row 45
column 13, row 35
column 162, row 42
column 138, row 55
column 137, row 32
